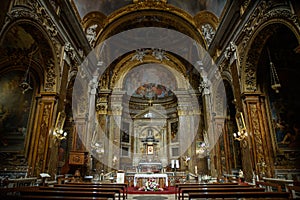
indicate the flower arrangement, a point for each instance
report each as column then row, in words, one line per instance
column 151, row 185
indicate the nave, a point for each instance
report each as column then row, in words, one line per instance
column 149, row 93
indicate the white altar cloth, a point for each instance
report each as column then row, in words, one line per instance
column 136, row 176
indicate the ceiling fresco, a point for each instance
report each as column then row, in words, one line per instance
column 108, row 6
column 150, row 81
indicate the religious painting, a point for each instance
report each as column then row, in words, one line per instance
column 285, row 123
column 125, row 151
column 125, row 132
column 240, row 122
column 150, row 81
column 59, row 124
column 175, row 152
column 200, row 148
column 150, row 150
column 174, row 131
column 15, row 108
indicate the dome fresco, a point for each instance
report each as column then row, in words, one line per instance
column 149, row 81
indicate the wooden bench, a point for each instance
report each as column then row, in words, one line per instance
column 254, row 195
column 180, row 186
column 293, row 190
column 60, row 197
column 220, row 190
column 26, row 193
column 270, row 187
column 123, row 186
column 116, row 190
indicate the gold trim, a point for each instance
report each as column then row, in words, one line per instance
column 59, row 124
column 240, row 122
column 179, row 19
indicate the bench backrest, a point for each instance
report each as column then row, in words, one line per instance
column 269, row 195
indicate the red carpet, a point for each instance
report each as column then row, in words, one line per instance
column 168, row 190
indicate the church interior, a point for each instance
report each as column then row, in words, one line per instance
column 184, row 91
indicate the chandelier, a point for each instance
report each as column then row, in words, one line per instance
column 275, row 84
column 25, row 84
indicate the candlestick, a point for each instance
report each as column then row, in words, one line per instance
column 172, row 163
column 177, row 163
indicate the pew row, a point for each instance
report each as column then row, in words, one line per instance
column 178, row 187
column 122, row 186
column 185, row 191
column 252, row 195
column 29, row 193
column 117, row 191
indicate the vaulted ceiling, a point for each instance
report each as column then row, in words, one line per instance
column 108, row 6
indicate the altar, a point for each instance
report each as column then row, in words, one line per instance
column 150, row 167
column 155, row 176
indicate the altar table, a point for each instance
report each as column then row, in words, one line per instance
column 137, row 176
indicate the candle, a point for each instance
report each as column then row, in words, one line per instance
column 177, row 163
column 196, row 170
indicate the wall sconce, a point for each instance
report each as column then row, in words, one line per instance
column 60, row 134
column 240, row 135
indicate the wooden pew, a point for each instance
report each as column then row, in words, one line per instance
column 269, row 186
column 60, row 197
column 292, row 190
column 178, row 187
column 26, row 193
column 253, row 195
column 116, row 190
column 121, row 186
column 220, row 190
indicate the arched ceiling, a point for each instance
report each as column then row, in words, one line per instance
column 108, row 6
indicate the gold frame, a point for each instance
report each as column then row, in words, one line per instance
column 59, row 124
column 150, row 150
column 240, row 122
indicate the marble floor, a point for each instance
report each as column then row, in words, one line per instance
column 151, row 197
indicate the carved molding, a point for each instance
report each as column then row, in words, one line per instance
column 130, row 61
column 230, row 52
column 261, row 17
column 42, row 139
column 207, row 23
column 158, row 12
column 250, row 76
column 258, row 142
column 102, row 104
column 39, row 14
column 50, row 76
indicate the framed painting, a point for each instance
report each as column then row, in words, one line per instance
column 150, row 150
column 240, row 122
column 174, row 131
column 59, row 124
